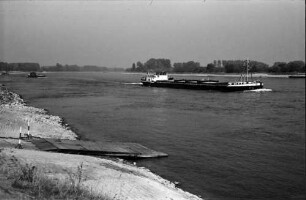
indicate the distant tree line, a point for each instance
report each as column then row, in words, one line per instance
column 29, row 67
column 162, row 64
column 73, row 68
column 191, row 66
column 282, row 67
column 4, row 66
column 238, row 66
column 228, row 66
column 152, row 64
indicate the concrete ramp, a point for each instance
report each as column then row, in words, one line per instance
column 116, row 149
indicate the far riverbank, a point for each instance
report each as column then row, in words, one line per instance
column 255, row 75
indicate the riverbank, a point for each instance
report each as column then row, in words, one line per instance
column 100, row 177
column 15, row 114
column 254, row 75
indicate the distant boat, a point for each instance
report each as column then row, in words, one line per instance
column 299, row 75
column 4, row 73
column 163, row 80
column 35, row 75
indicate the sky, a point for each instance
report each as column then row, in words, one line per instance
column 119, row 33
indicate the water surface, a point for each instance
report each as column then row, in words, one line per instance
column 242, row 145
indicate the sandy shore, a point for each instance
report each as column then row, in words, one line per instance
column 102, row 177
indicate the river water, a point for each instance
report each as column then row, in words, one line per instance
column 241, row 145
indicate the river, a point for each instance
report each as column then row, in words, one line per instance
column 221, row 145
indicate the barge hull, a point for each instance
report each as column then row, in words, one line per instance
column 205, row 86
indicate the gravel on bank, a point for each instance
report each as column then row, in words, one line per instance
column 15, row 114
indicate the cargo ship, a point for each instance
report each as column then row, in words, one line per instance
column 162, row 79
column 299, row 75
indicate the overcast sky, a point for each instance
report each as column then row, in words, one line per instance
column 118, row 33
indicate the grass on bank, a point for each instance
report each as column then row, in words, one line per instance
column 32, row 181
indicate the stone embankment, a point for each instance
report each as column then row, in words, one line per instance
column 14, row 113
